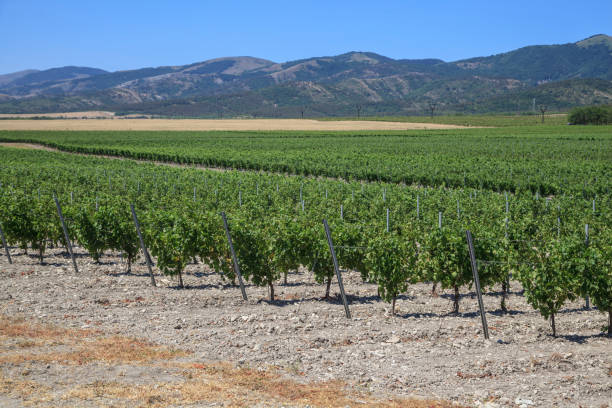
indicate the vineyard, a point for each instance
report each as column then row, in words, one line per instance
column 501, row 160
column 234, row 264
column 557, row 247
column 469, row 120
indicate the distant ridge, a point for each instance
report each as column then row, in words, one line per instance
column 329, row 85
column 598, row 39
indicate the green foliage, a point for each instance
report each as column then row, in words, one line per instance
column 256, row 252
column 390, row 261
column 285, row 244
column 316, row 254
column 595, row 268
column 213, row 248
column 445, row 260
column 591, row 115
column 273, row 234
column 121, row 232
column 503, row 159
column 31, row 222
column 350, row 240
column 173, row 240
column 552, row 277
column 90, row 231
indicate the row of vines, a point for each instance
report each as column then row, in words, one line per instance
column 548, row 160
column 393, row 235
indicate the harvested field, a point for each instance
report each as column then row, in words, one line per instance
column 68, row 115
column 110, row 339
column 213, row 124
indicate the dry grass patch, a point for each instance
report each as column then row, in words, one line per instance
column 245, row 386
column 18, row 327
column 107, row 350
column 237, row 390
column 30, row 392
column 196, row 383
column 89, row 343
column 122, row 349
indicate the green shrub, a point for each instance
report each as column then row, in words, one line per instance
column 591, row 115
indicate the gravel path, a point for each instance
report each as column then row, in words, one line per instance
column 423, row 350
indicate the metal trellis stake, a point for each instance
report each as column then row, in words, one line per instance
column 6, row 248
column 337, row 269
column 68, row 244
column 483, row 317
column 506, row 195
column 387, row 220
column 587, row 300
column 506, row 228
column 234, row 258
column 142, row 245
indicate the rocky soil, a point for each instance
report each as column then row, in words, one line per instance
column 423, row 350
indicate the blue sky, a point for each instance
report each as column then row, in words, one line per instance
column 117, row 35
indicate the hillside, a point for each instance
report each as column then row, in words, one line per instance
column 555, row 96
column 590, row 58
column 330, row 85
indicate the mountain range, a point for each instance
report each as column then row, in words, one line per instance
column 558, row 76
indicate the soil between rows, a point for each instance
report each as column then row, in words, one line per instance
column 422, row 351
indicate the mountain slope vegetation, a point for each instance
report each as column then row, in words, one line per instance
column 560, row 76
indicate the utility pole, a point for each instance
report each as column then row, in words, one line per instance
column 543, row 109
column 432, row 108
column 219, row 109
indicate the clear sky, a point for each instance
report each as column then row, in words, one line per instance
column 117, row 35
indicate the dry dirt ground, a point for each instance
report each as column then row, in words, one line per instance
column 69, row 339
column 29, row 146
column 212, row 124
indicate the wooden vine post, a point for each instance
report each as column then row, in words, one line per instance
column 234, row 257
column 483, row 317
column 337, row 269
column 6, row 248
column 143, row 246
column 68, row 244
